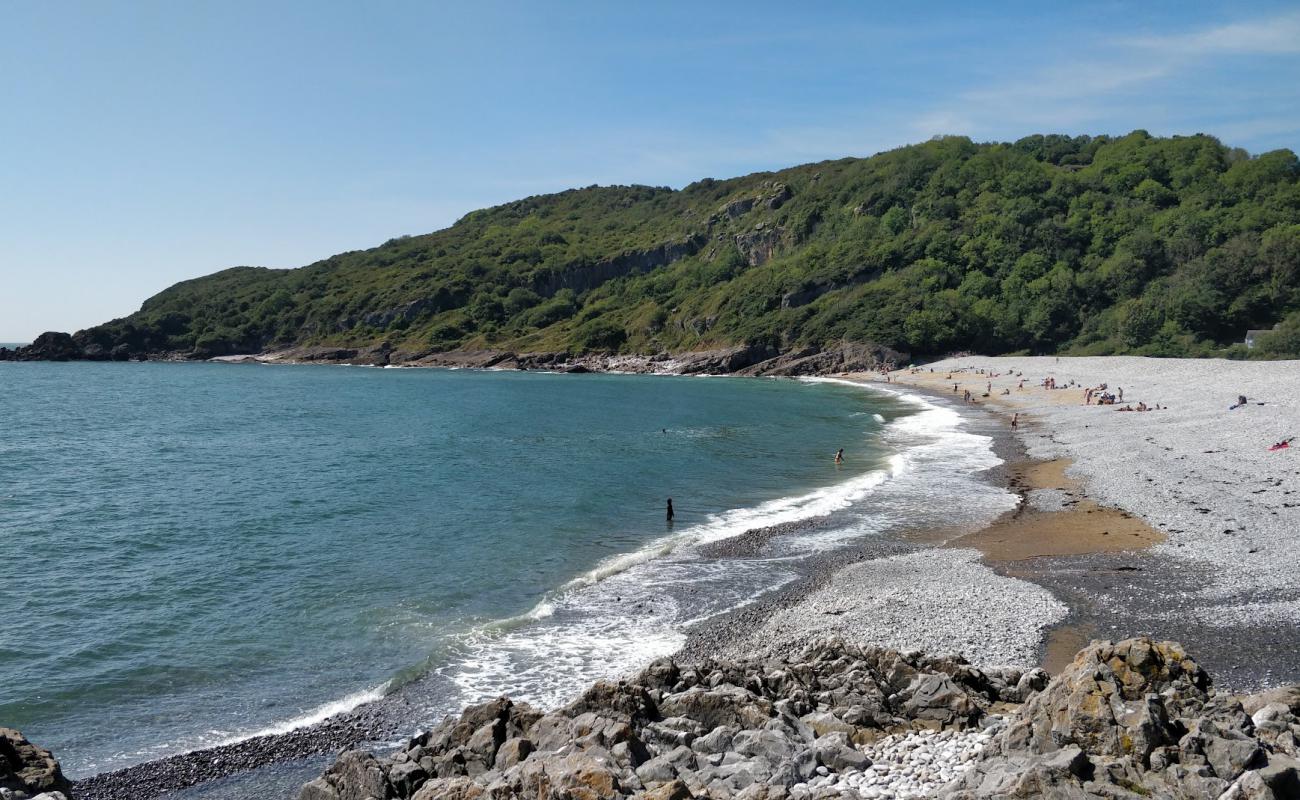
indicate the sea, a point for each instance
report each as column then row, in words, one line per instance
column 194, row 554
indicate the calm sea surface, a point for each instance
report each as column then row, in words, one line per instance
column 194, row 553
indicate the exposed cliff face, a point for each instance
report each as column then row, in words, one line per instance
column 585, row 277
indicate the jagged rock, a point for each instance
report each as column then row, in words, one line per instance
column 621, row 699
column 656, row 770
column 836, row 753
column 725, row 705
column 356, row 775
column 672, row 790
column 717, row 740
column 1108, row 701
column 450, row 789
column 512, row 752
column 406, row 777
column 936, row 698
column 1127, row 720
column 27, row 770
column 49, row 346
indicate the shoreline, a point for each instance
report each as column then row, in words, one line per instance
column 1072, row 575
column 381, row 722
column 1217, row 575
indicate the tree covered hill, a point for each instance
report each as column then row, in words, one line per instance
column 1088, row 245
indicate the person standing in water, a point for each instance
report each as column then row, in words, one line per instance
column 670, row 511
column 839, row 456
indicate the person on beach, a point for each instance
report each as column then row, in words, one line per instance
column 670, row 511
column 1015, row 421
column 839, row 456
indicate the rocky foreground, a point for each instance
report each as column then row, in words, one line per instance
column 1134, row 719
column 28, row 771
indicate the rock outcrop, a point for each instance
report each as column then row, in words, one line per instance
column 746, row 729
column 1139, row 719
column 28, row 771
column 49, row 346
column 1132, row 719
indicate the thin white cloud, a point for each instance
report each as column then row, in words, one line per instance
column 1127, row 83
column 1254, row 37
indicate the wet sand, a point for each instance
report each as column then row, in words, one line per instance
column 1077, row 527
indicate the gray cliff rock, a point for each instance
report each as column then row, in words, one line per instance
column 1133, row 719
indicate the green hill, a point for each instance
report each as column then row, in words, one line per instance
column 1160, row 246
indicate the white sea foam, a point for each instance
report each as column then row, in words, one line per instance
column 318, row 714
column 635, row 607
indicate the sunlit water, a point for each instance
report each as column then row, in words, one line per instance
column 194, row 553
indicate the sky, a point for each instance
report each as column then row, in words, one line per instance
column 151, row 142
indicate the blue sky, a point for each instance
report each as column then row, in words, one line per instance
column 151, row 142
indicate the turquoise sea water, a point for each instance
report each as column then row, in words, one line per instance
column 193, row 553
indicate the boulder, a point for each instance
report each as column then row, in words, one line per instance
column 27, row 769
column 938, row 699
column 672, row 790
column 724, row 705
column 512, row 752
column 450, row 789
column 1113, row 700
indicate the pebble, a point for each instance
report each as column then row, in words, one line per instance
column 916, row 764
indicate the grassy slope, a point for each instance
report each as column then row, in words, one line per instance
column 1050, row 244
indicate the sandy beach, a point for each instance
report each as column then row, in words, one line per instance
column 1218, row 510
column 1178, row 523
